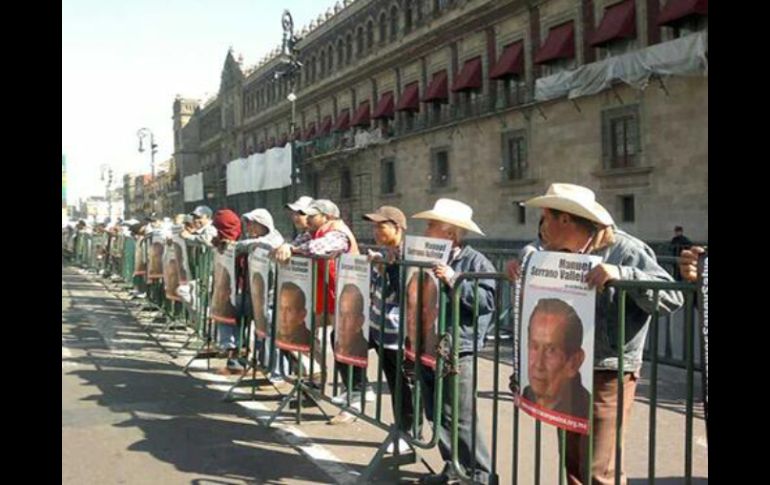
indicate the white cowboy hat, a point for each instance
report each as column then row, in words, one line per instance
column 573, row 199
column 452, row 212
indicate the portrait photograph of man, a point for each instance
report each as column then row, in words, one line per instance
column 155, row 269
column 222, row 309
column 171, row 274
column 351, row 345
column 554, row 356
column 182, row 263
column 428, row 313
column 257, row 289
column 293, row 332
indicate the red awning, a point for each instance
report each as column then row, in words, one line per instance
column 283, row 139
column 619, row 22
column 511, row 63
column 384, row 107
column 309, row 132
column 410, row 98
column 343, row 120
column 362, row 115
column 560, row 44
column 326, row 126
column 271, row 142
column 437, row 89
column 469, row 78
column 676, row 10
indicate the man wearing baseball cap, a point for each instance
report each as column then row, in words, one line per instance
column 299, row 219
column 204, row 232
column 574, row 222
column 330, row 236
column 389, row 227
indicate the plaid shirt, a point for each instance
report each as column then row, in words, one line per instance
column 302, row 238
column 330, row 243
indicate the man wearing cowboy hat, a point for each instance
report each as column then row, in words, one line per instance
column 574, row 222
column 451, row 219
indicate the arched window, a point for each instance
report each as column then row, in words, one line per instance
column 322, row 64
column 393, row 23
column 369, row 35
column 359, row 42
column 348, row 49
column 383, row 27
column 312, row 70
column 408, row 16
column 340, row 53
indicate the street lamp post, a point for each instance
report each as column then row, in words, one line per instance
column 291, row 70
column 142, row 134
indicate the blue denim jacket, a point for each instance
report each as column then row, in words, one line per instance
column 637, row 262
column 471, row 261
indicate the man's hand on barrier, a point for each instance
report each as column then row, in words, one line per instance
column 513, row 384
column 444, row 273
column 283, row 253
column 688, row 263
column 373, row 256
column 601, row 275
column 513, row 269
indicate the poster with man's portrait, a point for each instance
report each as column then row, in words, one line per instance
column 557, row 340
column 140, row 257
column 180, row 248
column 351, row 319
column 171, row 273
column 294, row 309
column 423, row 297
column 223, row 297
column 259, row 271
column 157, row 244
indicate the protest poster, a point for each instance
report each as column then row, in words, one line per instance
column 557, row 339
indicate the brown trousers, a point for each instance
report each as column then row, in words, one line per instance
column 604, row 438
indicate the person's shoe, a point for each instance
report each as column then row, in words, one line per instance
column 345, row 417
column 233, row 367
column 403, row 446
column 445, row 477
column 355, row 397
column 306, row 402
column 342, row 399
column 282, row 385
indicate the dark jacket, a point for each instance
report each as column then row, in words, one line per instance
column 471, row 261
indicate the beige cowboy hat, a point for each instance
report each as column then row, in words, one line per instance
column 573, row 199
column 452, row 212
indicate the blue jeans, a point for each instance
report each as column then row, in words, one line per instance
column 466, row 419
column 226, row 336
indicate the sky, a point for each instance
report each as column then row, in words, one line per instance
column 123, row 63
